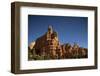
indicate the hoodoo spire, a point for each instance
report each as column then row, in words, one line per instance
column 50, row 29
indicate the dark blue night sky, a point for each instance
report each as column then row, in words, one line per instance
column 70, row 29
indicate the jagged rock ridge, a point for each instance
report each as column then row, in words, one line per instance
column 48, row 47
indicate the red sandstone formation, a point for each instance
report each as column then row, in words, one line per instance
column 49, row 47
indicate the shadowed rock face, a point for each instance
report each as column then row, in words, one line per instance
column 48, row 47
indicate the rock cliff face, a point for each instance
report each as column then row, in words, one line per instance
column 48, row 47
column 32, row 45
